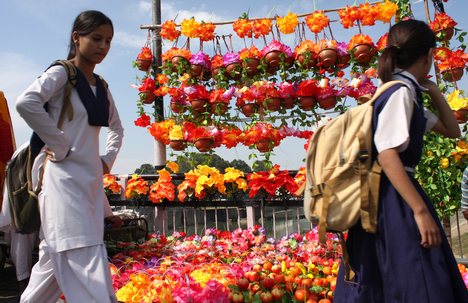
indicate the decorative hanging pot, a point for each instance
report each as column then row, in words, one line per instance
column 453, row 74
column 250, row 65
column 307, row 62
column 445, row 34
column 216, row 71
column 199, row 105
column 249, row 109
column 272, row 104
column 179, row 61
column 288, row 103
column 264, row 146
column 273, row 60
column 219, row 108
column 147, row 97
column 343, row 61
column 288, row 61
column 234, row 71
column 204, row 144
column 328, row 57
column 177, row 108
column 327, row 103
column 461, row 115
column 177, row 145
column 196, row 70
column 307, row 103
column 143, row 64
column 362, row 53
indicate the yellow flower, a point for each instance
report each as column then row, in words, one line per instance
column 456, row 100
column 174, row 167
column 386, row 10
column 288, row 23
column 190, row 28
column 176, row 133
column 444, row 163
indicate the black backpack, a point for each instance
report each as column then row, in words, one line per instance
column 22, row 198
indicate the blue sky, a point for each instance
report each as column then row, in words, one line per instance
column 36, row 32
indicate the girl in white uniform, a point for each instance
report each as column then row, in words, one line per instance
column 72, row 255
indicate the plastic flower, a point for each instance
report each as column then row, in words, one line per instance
column 174, row 52
column 259, row 132
column 110, row 185
column 243, row 27
column 368, row 14
column 190, row 28
column 230, row 136
column 173, row 166
column 160, row 130
column 447, row 59
column 382, row 42
column 143, row 121
column 206, row 31
column 306, row 46
column 317, row 21
column 385, row 11
column 148, row 84
column 457, row 101
column 217, row 61
column 307, row 88
column 234, row 176
column 169, row 31
column 249, row 53
column 348, row 16
column 261, row 27
column 136, row 188
column 145, row 54
column 163, row 188
column 202, row 59
column 442, row 21
column 360, row 39
column 176, row 133
column 288, row 23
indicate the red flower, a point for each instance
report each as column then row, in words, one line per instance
column 143, row 121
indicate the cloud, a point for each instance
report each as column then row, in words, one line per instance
column 128, row 40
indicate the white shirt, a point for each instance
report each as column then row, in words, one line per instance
column 72, row 201
column 395, row 118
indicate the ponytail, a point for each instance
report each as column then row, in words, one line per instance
column 386, row 63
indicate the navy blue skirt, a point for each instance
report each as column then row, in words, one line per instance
column 392, row 267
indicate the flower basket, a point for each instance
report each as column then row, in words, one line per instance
column 250, row 65
column 273, row 59
column 453, row 74
column 328, row 57
column 272, row 104
column 249, row 109
column 307, row 103
column 234, row 70
column 461, row 115
column 362, row 53
column 199, row 105
column 179, row 61
column 328, row 102
column 144, row 59
column 147, row 96
column 204, row 144
column 264, row 146
column 177, row 145
column 143, row 64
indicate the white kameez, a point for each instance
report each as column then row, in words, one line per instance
column 72, row 202
column 395, row 118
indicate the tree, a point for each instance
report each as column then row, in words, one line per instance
column 145, row 169
column 192, row 160
column 241, row 165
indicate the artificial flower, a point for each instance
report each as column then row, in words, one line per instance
column 457, row 101
column 137, row 188
column 163, row 188
column 288, row 23
column 143, row 121
column 317, row 21
column 386, row 10
column 145, row 54
column 261, row 27
column 206, row 31
column 169, row 31
column 243, row 27
column 442, row 21
column 111, row 187
column 190, row 28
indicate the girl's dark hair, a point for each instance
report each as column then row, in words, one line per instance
column 85, row 23
column 408, row 41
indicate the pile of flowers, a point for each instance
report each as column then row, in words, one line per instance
column 111, row 187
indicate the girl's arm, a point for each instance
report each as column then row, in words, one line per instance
column 393, row 167
column 447, row 124
column 114, row 136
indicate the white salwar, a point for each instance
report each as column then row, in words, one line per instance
column 72, row 201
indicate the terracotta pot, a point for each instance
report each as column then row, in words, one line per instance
column 288, row 61
column 250, row 65
column 307, row 103
column 445, row 34
column 234, row 71
column 461, row 115
column 143, row 64
column 204, row 144
column 311, row 61
column 199, row 105
column 219, row 108
column 215, row 71
column 453, row 74
column 362, row 53
column 328, row 57
column 273, row 59
column 177, row 144
column 327, row 103
column 272, row 104
column 264, row 146
column 147, row 97
column 288, row 103
column 177, row 108
column 343, row 61
column 178, row 60
column 196, row 70
column 249, row 109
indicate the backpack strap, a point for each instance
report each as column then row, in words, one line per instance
column 66, row 108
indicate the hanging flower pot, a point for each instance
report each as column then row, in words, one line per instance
column 196, row 70
column 204, row 144
column 327, row 103
column 307, row 62
column 273, row 59
column 445, row 34
column 199, row 105
column 250, row 65
column 363, row 53
column 147, row 97
column 234, row 71
column 307, row 103
column 177, row 145
column 461, row 115
column 179, row 61
column 288, row 103
column 343, row 61
column 144, row 58
column 249, row 109
column 272, row 104
column 328, row 57
column 264, row 146
column 143, row 64
column 219, row 108
column 453, row 74
column 177, row 108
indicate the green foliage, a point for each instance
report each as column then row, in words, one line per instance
column 145, row 169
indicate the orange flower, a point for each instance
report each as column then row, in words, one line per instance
column 288, row 23
column 217, row 61
column 174, row 167
column 230, row 136
column 382, row 43
column 163, row 188
column 145, row 54
column 206, row 31
column 160, row 130
column 306, row 45
column 446, row 59
column 251, row 52
column 110, row 184
column 386, row 11
column 174, row 51
column 349, row 15
column 190, row 28
column 261, row 27
column 243, row 27
column 317, row 21
column 136, row 188
column 360, row 39
column 169, row 31
column 442, row 21
column 162, row 79
column 367, row 14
